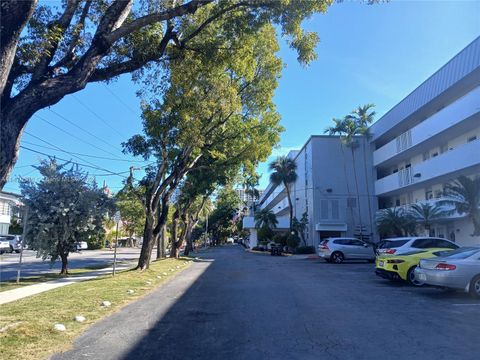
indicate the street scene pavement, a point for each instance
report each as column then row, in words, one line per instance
column 231, row 304
column 33, row 266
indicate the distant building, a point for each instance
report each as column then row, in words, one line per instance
column 326, row 190
column 246, row 197
column 7, row 206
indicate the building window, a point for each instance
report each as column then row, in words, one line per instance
column 472, row 138
column 335, row 210
column 324, row 209
column 435, row 154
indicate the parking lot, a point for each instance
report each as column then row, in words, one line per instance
column 239, row 305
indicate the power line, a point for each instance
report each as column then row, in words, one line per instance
column 85, row 131
column 119, row 99
column 76, row 137
column 96, row 115
column 56, row 148
column 77, row 163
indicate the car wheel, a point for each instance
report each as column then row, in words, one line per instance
column 411, row 277
column 11, row 250
column 475, row 287
column 337, row 258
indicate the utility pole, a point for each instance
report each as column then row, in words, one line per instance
column 206, row 230
column 25, row 219
column 117, row 220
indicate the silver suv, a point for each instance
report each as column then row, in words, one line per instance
column 15, row 242
column 338, row 249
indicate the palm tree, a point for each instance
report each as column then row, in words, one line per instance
column 265, row 219
column 425, row 213
column 396, row 222
column 284, row 172
column 464, row 194
column 352, row 125
column 362, row 117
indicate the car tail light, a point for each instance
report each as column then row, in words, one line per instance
column 324, row 245
column 444, row 266
column 395, row 261
column 390, row 251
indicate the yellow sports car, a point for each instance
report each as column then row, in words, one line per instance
column 394, row 267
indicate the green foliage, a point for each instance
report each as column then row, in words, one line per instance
column 300, row 226
column 62, row 209
column 395, row 222
column 354, row 124
column 281, row 238
column 284, row 171
column 128, row 202
column 265, row 219
column 15, row 227
column 425, row 213
column 292, row 241
column 464, row 194
column 220, row 221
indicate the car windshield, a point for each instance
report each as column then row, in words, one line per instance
column 387, row 244
column 462, row 253
column 442, row 253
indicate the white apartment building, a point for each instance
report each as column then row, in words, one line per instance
column 427, row 140
column 326, row 189
column 430, row 138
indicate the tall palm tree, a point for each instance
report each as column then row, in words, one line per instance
column 265, row 219
column 362, row 117
column 396, row 222
column 355, row 124
column 464, row 194
column 425, row 213
column 284, row 172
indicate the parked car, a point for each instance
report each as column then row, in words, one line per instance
column 402, row 245
column 402, row 267
column 81, row 245
column 15, row 242
column 230, row 240
column 460, row 269
column 338, row 249
column 4, row 245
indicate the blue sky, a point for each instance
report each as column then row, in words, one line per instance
column 367, row 54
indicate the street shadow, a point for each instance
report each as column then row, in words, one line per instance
column 191, row 327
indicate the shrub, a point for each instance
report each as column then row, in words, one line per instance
column 305, row 250
column 258, row 248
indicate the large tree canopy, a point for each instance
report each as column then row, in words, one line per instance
column 48, row 51
column 218, row 105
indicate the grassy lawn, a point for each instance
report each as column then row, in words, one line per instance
column 26, row 326
column 31, row 280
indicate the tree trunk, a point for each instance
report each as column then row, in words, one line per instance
column 347, row 180
column 370, row 216
column 289, row 205
column 64, row 258
column 356, row 189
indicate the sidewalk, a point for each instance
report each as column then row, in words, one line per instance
column 22, row 292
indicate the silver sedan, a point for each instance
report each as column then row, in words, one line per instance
column 460, row 269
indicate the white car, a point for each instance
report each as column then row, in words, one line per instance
column 81, row 245
column 230, row 241
column 402, row 245
column 4, row 246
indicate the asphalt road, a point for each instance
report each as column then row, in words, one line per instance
column 31, row 265
column 237, row 305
